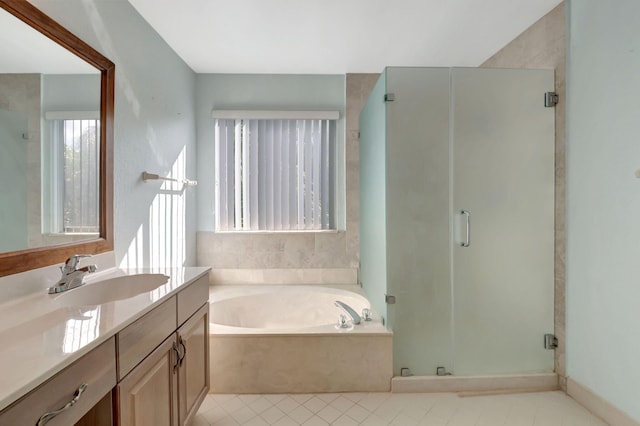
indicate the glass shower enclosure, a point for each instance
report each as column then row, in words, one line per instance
column 457, row 217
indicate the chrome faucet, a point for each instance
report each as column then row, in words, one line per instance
column 72, row 276
column 349, row 310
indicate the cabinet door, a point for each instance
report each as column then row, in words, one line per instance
column 503, row 180
column 147, row 395
column 193, row 374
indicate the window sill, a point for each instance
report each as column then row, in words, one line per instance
column 72, row 234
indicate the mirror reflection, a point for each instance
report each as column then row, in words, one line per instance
column 50, row 139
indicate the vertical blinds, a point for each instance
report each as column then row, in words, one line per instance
column 275, row 174
column 78, row 147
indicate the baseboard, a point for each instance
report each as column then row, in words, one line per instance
column 529, row 382
column 598, row 405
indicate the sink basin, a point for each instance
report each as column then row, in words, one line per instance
column 111, row 289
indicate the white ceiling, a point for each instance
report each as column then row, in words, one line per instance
column 337, row 36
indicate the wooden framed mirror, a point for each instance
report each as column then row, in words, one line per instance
column 23, row 256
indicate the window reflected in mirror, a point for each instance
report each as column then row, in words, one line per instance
column 56, row 135
column 50, row 132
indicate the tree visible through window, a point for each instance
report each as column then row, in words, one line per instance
column 78, row 175
column 275, row 175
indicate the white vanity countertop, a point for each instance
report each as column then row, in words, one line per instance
column 41, row 337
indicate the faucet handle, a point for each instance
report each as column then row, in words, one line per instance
column 342, row 322
column 73, row 261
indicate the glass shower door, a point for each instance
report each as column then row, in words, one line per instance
column 373, row 247
column 417, row 200
column 503, row 217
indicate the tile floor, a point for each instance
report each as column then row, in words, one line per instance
column 373, row 409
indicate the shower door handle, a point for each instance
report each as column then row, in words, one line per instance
column 467, row 241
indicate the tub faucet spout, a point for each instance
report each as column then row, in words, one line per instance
column 349, row 310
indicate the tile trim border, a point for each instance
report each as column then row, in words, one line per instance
column 529, row 382
column 283, row 276
column 598, row 405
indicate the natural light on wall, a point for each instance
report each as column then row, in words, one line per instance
column 160, row 242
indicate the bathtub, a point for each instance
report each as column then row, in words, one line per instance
column 285, row 339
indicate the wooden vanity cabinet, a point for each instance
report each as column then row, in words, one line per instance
column 166, row 386
column 153, row 372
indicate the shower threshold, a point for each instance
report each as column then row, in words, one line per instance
column 489, row 383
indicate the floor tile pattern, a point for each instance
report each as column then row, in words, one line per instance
column 379, row 409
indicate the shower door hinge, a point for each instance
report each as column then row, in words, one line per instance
column 389, row 97
column 550, row 99
column 550, row 341
column 441, row 371
column 389, row 299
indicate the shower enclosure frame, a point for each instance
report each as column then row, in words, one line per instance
column 457, row 217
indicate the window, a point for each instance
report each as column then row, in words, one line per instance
column 75, row 176
column 275, row 174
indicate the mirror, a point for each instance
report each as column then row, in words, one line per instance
column 56, row 131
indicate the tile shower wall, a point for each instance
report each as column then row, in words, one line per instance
column 235, row 257
column 20, row 94
column 543, row 46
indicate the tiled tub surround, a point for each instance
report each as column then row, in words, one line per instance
column 41, row 341
column 254, row 351
column 278, row 276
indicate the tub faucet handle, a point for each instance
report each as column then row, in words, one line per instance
column 342, row 322
column 366, row 314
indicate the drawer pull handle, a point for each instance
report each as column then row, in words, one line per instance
column 467, row 241
column 46, row 417
column 184, row 350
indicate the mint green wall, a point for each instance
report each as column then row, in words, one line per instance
column 603, row 199
column 70, row 92
column 154, row 129
column 255, row 92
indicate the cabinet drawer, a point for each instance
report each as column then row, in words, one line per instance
column 140, row 338
column 191, row 298
column 97, row 370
